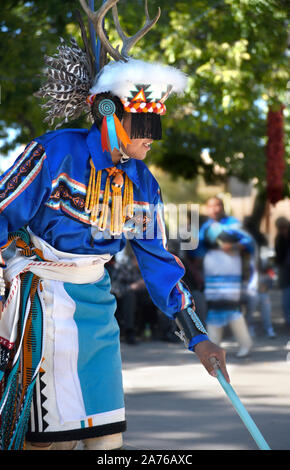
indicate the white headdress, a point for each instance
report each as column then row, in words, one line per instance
column 142, row 87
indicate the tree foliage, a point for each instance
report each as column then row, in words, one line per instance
column 235, row 53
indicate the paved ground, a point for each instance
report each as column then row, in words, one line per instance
column 172, row 403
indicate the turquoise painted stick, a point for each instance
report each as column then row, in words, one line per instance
column 240, row 409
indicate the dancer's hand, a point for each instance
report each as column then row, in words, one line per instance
column 206, row 350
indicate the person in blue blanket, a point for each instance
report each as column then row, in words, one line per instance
column 70, row 202
column 225, row 256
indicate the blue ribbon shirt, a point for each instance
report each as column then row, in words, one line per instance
column 45, row 189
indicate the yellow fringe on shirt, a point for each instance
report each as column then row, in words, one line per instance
column 122, row 206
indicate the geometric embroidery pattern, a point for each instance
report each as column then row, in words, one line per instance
column 22, row 174
column 38, row 411
column 43, row 399
column 70, row 196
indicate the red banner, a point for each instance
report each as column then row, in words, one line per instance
column 275, row 152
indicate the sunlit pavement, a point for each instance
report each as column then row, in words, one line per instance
column 172, row 403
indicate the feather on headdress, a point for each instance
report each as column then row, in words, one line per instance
column 69, row 79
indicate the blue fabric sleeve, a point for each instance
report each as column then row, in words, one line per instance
column 229, row 225
column 161, row 270
column 233, row 226
column 23, row 188
column 243, row 238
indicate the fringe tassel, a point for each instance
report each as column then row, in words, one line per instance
column 116, row 214
column 19, row 381
column 105, row 207
column 122, row 207
column 20, row 369
column 128, row 209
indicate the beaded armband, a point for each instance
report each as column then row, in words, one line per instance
column 189, row 324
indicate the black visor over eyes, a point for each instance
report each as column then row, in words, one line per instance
column 146, row 126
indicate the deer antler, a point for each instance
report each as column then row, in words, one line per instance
column 128, row 42
column 97, row 21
